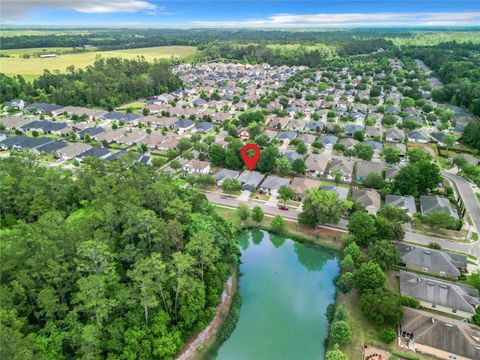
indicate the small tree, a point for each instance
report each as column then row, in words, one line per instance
column 278, row 224
column 388, row 335
column 449, row 141
column 369, row 276
column 231, row 186
column 374, row 181
column 347, row 264
column 340, row 332
column 285, row 193
column 440, row 219
column 299, row 167
column 243, row 212
column 345, row 283
column 335, row 355
column 257, row 214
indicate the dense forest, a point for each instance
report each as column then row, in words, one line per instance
column 138, row 38
column 458, row 66
column 107, row 83
column 111, row 261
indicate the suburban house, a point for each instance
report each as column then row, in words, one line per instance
column 300, row 186
column 52, row 147
column 417, row 136
column 307, row 139
column 287, row 135
column 91, row 131
column 243, row 134
column 447, row 297
column 348, row 142
column 203, row 127
column 197, row 167
column 184, row 125
column 24, row 143
column 430, row 203
column 14, row 122
column 437, row 335
column 372, row 132
column 406, row 203
column 72, row 150
column 314, row 126
column 328, row 140
column 342, row 166
column 395, row 135
column 435, row 262
column 316, row 164
column 110, row 135
column 223, row 174
column 96, row 152
column 369, row 198
column 43, row 108
column 272, row 183
column 366, row 167
column 17, row 104
column 341, row 192
column 278, row 122
column 351, row 129
column 250, row 179
column 132, row 137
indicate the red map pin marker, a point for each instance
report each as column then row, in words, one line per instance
column 250, row 161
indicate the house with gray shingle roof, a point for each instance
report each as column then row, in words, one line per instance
column 315, row 126
column 459, row 299
column 395, row 135
column 223, row 174
column 328, row 140
column 370, row 198
column 441, row 336
column 351, row 129
column 342, row 166
column 435, row 262
column 406, row 203
column 430, row 203
column 272, row 183
column 417, row 136
column 341, row 192
column 250, row 179
column 287, row 135
column 366, row 167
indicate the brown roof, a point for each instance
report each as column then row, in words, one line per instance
column 300, row 185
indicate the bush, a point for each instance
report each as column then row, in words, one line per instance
column 388, row 335
column 410, row 302
column 231, row 321
column 345, row 283
column 340, row 332
column 335, row 355
column 278, row 224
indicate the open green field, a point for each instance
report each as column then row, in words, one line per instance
column 34, row 66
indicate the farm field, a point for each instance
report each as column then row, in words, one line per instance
column 34, row 66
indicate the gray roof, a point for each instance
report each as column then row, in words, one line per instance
column 328, row 139
column 183, row 124
column 51, row 147
column 42, row 107
column 95, row 152
column 440, row 332
column 13, row 140
column 292, row 156
column 435, row 260
column 454, row 296
column 375, row 144
column 44, row 125
column 366, row 167
column 223, row 174
column 287, row 135
column 314, row 125
column 92, row 131
column 352, row 129
column 406, row 203
column 252, row 178
column 33, row 143
column 417, row 135
column 204, row 126
column 341, row 192
column 274, row 182
column 429, row 203
column 117, row 115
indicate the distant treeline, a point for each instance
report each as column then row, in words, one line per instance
column 458, row 66
column 107, row 83
column 135, row 38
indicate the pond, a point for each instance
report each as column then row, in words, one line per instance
column 286, row 287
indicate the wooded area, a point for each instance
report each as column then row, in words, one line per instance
column 112, row 261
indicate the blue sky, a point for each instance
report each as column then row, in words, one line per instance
column 240, row 14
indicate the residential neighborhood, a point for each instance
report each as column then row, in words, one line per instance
column 349, row 134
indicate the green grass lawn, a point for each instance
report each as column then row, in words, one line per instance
column 136, row 105
column 34, row 66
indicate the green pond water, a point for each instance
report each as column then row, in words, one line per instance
column 286, row 287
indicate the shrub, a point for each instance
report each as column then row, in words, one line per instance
column 340, row 332
column 388, row 335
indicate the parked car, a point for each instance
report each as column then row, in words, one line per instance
column 283, row 207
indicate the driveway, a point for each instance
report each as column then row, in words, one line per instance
column 244, row 196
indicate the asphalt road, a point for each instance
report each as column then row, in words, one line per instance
column 467, row 248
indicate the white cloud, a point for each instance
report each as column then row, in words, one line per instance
column 352, row 19
column 17, row 9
